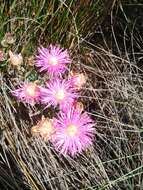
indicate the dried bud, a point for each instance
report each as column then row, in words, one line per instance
column 44, row 128
column 15, row 59
column 2, row 55
column 78, row 105
column 79, row 79
column 8, row 39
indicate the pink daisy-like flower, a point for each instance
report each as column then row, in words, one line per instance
column 58, row 92
column 53, row 60
column 28, row 92
column 74, row 132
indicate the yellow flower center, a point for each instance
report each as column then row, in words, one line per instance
column 71, row 130
column 60, row 94
column 31, row 90
column 53, row 61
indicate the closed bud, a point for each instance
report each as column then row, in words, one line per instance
column 44, row 128
column 15, row 59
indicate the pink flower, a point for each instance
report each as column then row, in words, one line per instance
column 28, row 92
column 58, row 92
column 53, row 60
column 74, row 132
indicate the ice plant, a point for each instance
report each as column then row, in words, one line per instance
column 58, row 92
column 44, row 128
column 78, row 79
column 8, row 39
column 15, row 59
column 54, row 60
column 74, row 132
column 28, row 93
column 78, row 105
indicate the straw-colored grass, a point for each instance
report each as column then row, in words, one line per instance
column 112, row 96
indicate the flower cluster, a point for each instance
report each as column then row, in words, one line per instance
column 71, row 131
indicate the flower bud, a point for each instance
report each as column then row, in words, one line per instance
column 15, row 59
column 44, row 128
column 7, row 40
column 79, row 79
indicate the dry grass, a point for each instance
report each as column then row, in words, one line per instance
column 112, row 96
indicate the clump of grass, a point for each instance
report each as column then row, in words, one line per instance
column 113, row 97
column 51, row 21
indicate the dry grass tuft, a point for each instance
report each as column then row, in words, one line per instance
column 112, row 96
